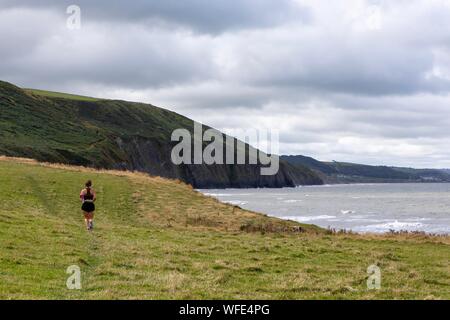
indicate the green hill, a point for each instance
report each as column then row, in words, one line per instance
column 159, row 239
column 310, row 163
column 53, row 94
column 114, row 134
column 344, row 172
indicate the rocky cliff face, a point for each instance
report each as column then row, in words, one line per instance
column 117, row 134
column 152, row 157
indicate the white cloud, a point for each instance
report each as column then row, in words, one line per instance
column 362, row 81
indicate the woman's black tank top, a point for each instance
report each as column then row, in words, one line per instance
column 88, row 196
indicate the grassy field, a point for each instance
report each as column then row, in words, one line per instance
column 159, row 239
column 53, row 94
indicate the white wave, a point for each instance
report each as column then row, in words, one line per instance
column 292, row 200
column 364, row 220
column 236, row 202
column 306, row 219
column 226, row 194
column 361, row 216
column 393, row 225
column 419, row 219
column 347, row 211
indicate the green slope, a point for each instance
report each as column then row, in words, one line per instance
column 376, row 172
column 115, row 134
column 344, row 172
column 159, row 239
column 77, row 131
column 311, row 163
column 53, row 94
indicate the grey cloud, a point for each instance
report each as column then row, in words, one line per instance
column 132, row 58
column 333, row 88
column 335, row 62
column 200, row 15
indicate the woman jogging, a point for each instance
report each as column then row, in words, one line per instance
column 87, row 196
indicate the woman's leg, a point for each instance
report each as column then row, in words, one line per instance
column 88, row 216
column 91, row 219
column 86, row 219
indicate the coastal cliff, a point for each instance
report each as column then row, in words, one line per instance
column 115, row 134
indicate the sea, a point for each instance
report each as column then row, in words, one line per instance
column 361, row 208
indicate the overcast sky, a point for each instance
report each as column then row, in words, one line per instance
column 361, row 81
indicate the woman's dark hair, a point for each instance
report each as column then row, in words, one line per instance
column 88, row 185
